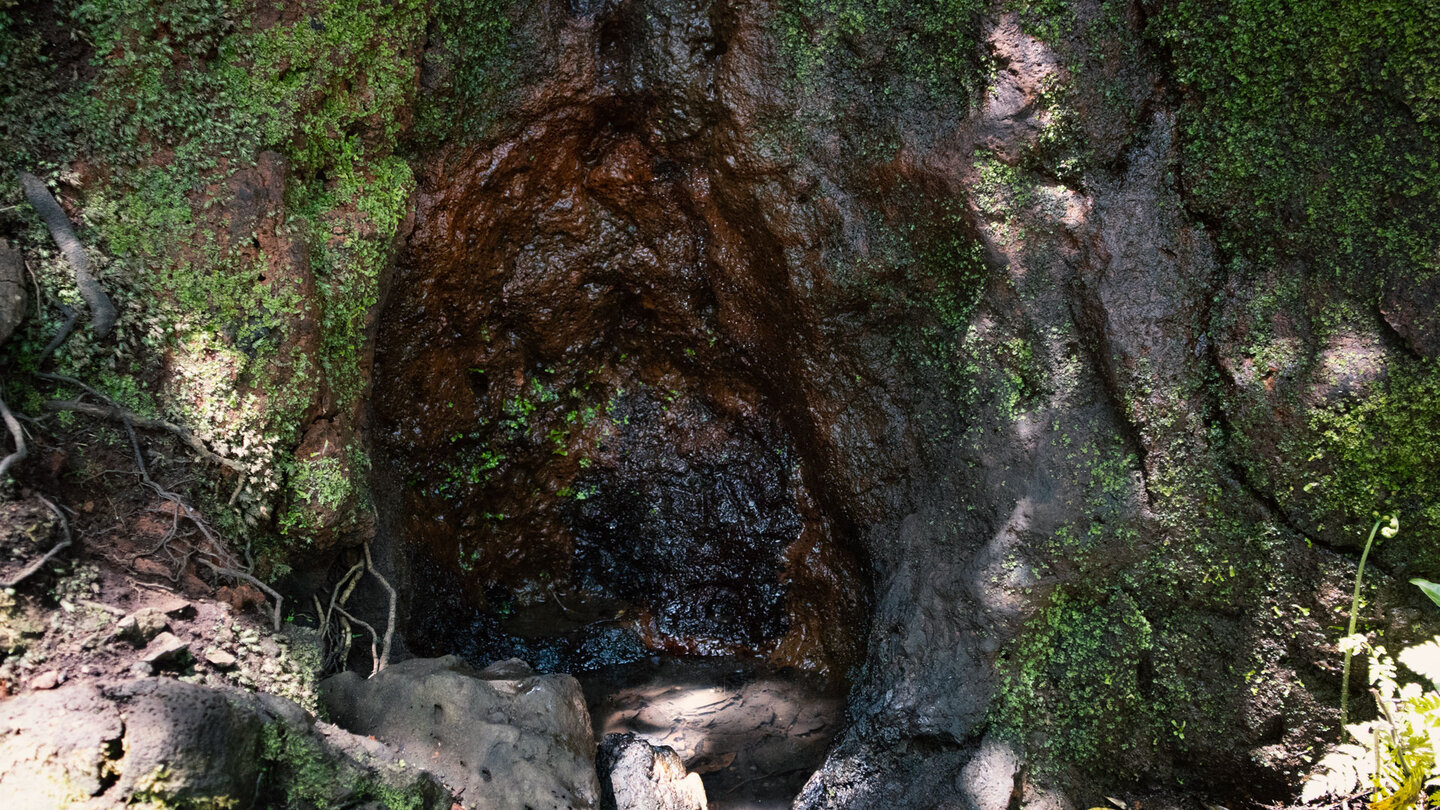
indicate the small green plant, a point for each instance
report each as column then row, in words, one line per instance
column 1430, row 589
column 1389, row 531
column 1396, row 752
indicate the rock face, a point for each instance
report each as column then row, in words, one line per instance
column 970, row 355
column 503, row 738
column 635, row 775
column 159, row 739
column 780, row 331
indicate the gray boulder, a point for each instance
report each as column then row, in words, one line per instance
column 179, row 744
column 501, row 738
column 636, row 775
column 12, row 289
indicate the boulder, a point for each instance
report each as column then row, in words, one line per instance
column 185, row 745
column 12, row 290
column 501, row 738
column 635, row 775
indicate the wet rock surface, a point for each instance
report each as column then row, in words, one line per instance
column 503, row 737
column 593, row 373
column 920, row 382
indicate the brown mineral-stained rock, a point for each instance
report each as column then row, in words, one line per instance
column 715, row 261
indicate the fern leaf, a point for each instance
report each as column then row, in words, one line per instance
column 1406, row 794
column 1424, row 659
column 1334, row 775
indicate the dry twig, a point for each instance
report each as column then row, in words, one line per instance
column 269, row 591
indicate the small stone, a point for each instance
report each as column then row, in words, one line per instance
column 177, row 609
column 46, row 680
column 166, row 650
column 142, row 626
column 220, row 659
column 141, row 669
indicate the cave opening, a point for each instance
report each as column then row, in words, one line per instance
column 583, row 466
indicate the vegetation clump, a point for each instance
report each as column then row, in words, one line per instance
column 1311, row 131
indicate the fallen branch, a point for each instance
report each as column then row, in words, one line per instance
column 390, row 622
column 116, row 413
column 102, row 312
column 40, row 563
column 20, row 451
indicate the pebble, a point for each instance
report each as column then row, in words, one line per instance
column 47, row 680
column 220, row 659
column 166, row 649
column 143, row 625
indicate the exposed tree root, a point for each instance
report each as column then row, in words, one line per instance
column 60, row 337
column 374, row 656
column 253, row 580
column 116, row 413
column 336, row 596
column 102, row 311
column 40, row 563
column 18, row 434
column 384, row 659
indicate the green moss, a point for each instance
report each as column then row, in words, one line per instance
column 931, row 46
column 1310, row 130
column 296, row 770
column 350, row 252
column 473, row 60
column 316, row 484
column 1073, row 690
column 1380, row 453
column 35, row 119
column 181, row 95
